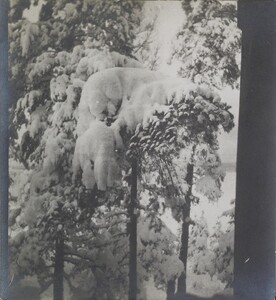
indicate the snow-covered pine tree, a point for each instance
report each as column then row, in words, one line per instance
column 179, row 140
column 35, row 59
column 43, row 119
column 157, row 250
column 199, row 252
column 46, row 145
column 208, row 46
column 104, row 99
column 222, row 247
column 213, row 254
column 61, row 26
column 159, row 116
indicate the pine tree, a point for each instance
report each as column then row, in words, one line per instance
column 48, row 142
column 199, row 252
column 222, row 245
column 43, row 120
column 110, row 25
column 190, row 123
column 208, row 46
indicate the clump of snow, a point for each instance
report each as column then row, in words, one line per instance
column 77, row 54
column 63, row 58
column 54, row 149
column 18, row 238
column 30, row 31
column 147, row 99
column 70, row 10
column 37, row 121
column 95, row 156
column 207, row 185
column 96, row 61
column 42, row 65
column 104, row 92
column 58, row 86
column 29, row 100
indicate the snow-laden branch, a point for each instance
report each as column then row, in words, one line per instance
column 125, row 98
column 81, row 256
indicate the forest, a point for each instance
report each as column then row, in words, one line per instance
column 115, row 140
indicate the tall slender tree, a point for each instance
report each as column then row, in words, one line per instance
column 192, row 128
column 208, row 47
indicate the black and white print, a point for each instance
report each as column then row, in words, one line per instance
column 122, row 157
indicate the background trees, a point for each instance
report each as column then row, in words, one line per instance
column 208, row 45
column 190, row 159
column 208, row 48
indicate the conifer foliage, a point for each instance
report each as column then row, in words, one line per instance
column 209, row 43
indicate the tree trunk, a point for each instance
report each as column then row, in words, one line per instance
column 170, row 289
column 181, row 286
column 254, row 253
column 132, row 295
column 59, row 265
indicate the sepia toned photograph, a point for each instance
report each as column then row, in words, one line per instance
column 141, row 156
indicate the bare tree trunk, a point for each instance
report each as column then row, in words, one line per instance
column 59, row 265
column 170, row 289
column 181, row 287
column 132, row 295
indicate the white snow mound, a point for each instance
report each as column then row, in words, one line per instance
column 95, row 156
column 105, row 91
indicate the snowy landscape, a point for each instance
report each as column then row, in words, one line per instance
column 123, row 137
